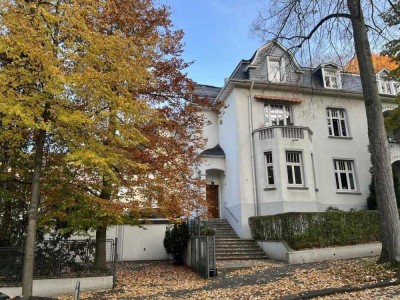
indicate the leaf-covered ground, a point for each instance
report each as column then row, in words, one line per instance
column 262, row 280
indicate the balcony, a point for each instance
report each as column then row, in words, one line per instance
column 278, row 138
column 292, row 133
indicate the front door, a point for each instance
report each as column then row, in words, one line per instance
column 212, row 200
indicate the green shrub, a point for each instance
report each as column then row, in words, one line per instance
column 207, row 231
column 371, row 200
column 318, row 229
column 176, row 240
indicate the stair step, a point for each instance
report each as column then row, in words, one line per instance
column 249, row 247
column 226, row 235
column 245, row 252
column 228, row 238
column 228, row 246
column 244, row 257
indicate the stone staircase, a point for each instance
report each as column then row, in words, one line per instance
column 229, row 246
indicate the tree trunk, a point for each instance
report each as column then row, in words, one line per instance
column 101, row 250
column 101, row 232
column 29, row 258
column 381, row 166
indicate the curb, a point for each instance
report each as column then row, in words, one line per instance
column 332, row 291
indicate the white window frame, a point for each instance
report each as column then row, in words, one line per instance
column 286, row 112
column 388, row 87
column 335, row 75
column 294, row 161
column 396, row 87
column 346, row 168
column 269, row 165
column 276, row 74
column 340, row 121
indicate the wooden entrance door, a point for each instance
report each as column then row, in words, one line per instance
column 212, row 200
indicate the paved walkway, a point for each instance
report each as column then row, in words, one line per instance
column 235, row 264
column 253, row 279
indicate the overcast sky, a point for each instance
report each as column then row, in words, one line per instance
column 216, row 35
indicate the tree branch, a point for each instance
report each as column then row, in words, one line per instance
column 319, row 24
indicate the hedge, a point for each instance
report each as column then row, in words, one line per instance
column 318, row 229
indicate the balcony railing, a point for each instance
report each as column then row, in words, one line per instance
column 286, row 132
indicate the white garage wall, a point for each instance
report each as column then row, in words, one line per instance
column 139, row 243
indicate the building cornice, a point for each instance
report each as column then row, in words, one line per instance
column 287, row 87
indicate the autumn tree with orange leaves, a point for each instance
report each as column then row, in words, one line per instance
column 379, row 62
column 95, row 107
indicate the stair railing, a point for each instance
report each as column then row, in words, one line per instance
column 233, row 216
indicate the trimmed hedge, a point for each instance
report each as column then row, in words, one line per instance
column 318, row 229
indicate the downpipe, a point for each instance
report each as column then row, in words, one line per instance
column 253, row 163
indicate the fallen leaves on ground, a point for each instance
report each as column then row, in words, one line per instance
column 163, row 280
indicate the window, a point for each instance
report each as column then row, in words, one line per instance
column 337, row 122
column 275, row 69
column 388, row 87
column 277, row 114
column 396, row 87
column 294, row 168
column 331, row 78
column 344, row 175
column 269, row 169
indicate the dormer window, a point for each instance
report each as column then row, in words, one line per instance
column 275, row 69
column 329, row 74
column 385, row 85
column 331, row 78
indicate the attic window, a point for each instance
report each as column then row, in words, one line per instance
column 387, row 86
column 275, row 69
column 331, row 78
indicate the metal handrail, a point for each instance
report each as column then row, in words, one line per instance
column 231, row 214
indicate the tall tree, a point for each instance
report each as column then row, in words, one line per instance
column 392, row 19
column 297, row 22
column 96, row 90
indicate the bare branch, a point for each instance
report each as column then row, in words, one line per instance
column 316, row 27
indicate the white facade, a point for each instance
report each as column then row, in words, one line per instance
column 296, row 143
column 134, row 242
column 144, row 242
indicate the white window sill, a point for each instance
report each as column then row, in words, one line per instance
column 297, row 188
column 332, row 88
column 349, row 192
column 340, row 137
column 270, row 188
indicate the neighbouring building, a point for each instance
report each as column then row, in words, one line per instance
column 290, row 139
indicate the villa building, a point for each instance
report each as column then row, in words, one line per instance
column 290, row 139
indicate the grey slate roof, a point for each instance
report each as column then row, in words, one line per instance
column 216, row 151
column 209, row 91
column 239, row 72
column 350, row 82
